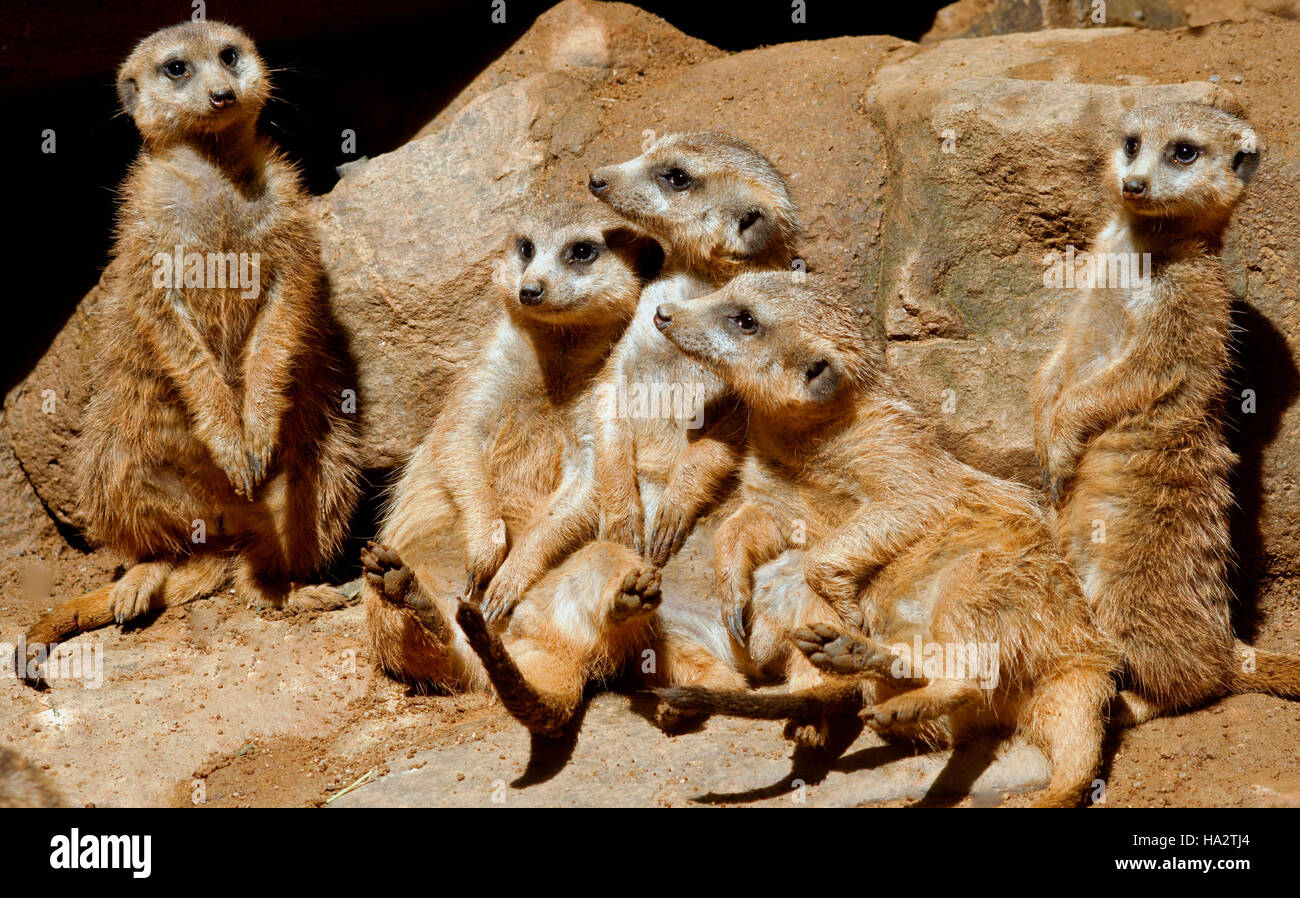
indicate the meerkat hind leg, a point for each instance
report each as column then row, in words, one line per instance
column 935, row 699
column 840, row 652
column 397, row 584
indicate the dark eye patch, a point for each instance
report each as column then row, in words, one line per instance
column 175, row 68
column 525, row 247
column 1131, row 144
column 229, row 56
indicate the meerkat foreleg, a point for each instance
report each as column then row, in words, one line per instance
column 570, row 520
column 268, row 371
column 205, row 393
column 748, row 538
column 623, row 516
column 1125, row 387
column 842, row 562
column 696, row 480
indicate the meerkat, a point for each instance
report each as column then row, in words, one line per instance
column 1128, row 420
column 23, row 786
column 921, row 548
column 216, row 442
column 508, row 469
column 718, row 207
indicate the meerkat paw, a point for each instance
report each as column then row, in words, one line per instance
column 315, row 598
column 626, row 530
column 671, row 527
column 888, row 714
column 843, row 653
column 809, row 733
column 134, row 594
column 635, row 594
column 395, row 583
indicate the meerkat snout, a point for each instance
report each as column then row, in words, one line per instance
column 663, row 318
column 597, row 185
column 531, row 294
column 220, row 99
column 1134, row 187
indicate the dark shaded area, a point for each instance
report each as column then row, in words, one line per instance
column 1263, row 365
column 382, row 68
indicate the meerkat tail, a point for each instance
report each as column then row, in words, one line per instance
column 525, row 703
column 826, row 700
column 196, row 578
column 1275, row 673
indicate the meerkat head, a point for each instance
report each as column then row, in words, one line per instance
column 1184, row 161
column 786, row 348
column 708, row 196
column 577, row 265
column 198, row 78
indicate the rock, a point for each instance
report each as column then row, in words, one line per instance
column 621, row 760
column 986, row 18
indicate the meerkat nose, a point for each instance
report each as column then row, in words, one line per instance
column 662, row 318
column 220, row 99
column 1135, row 187
column 597, row 185
column 531, row 294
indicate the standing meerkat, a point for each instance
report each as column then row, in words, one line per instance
column 508, row 470
column 215, row 442
column 922, row 549
column 668, row 435
column 1128, row 420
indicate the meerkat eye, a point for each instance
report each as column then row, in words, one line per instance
column 1131, row 145
column 229, row 56
column 676, row 179
column 175, row 68
column 525, row 247
column 745, row 322
column 582, row 252
column 1186, row 153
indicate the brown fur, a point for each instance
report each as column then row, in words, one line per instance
column 23, row 786
column 897, row 531
column 211, row 405
column 507, row 469
column 1128, row 421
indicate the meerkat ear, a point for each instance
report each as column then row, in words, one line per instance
column 642, row 251
column 128, row 92
column 1246, row 161
column 821, row 379
column 753, row 230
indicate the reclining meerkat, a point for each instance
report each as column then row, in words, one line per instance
column 215, row 442
column 718, row 207
column 899, row 534
column 508, row 469
column 1128, row 420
